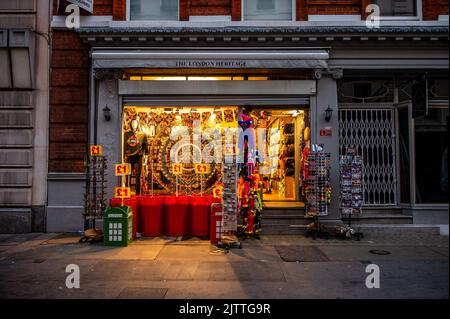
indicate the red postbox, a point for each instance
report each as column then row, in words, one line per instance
column 215, row 229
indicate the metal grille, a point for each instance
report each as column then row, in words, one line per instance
column 372, row 132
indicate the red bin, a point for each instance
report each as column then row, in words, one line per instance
column 176, row 215
column 199, row 215
column 151, row 211
column 215, row 229
column 131, row 202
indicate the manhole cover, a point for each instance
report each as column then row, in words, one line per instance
column 379, row 252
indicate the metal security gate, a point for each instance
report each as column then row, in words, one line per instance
column 371, row 130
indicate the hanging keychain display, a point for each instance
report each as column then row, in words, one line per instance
column 351, row 197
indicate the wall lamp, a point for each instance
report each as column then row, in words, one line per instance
column 328, row 114
column 107, row 113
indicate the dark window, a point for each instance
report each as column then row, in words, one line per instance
column 431, row 152
column 396, row 7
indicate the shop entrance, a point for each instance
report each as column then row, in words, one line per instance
column 153, row 144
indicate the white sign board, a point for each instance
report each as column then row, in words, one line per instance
column 84, row 4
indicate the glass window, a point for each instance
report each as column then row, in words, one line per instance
column 396, row 7
column 154, row 9
column 431, row 143
column 268, row 10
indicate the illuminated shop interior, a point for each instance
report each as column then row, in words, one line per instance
column 147, row 144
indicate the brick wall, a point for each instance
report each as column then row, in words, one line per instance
column 117, row 8
column 334, row 6
column 68, row 102
column 101, row 7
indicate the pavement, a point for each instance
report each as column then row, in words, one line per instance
column 288, row 267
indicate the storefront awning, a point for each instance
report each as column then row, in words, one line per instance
column 220, row 59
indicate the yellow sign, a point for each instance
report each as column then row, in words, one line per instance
column 177, row 169
column 122, row 169
column 202, row 168
column 122, row 192
column 230, row 150
column 217, row 191
column 96, row 150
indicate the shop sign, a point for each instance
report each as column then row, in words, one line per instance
column 211, row 64
column 96, row 150
column 202, row 168
column 122, row 192
column 122, row 169
column 217, row 191
column 177, row 169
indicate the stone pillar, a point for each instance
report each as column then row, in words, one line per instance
column 41, row 120
column 327, row 97
column 108, row 133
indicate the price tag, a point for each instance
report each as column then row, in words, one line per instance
column 122, row 192
column 217, row 191
column 230, row 150
column 96, row 150
column 202, row 168
column 122, row 169
column 177, row 169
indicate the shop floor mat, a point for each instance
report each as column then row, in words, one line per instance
column 301, row 254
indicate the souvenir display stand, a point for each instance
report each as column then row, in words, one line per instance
column 317, row 190
column 351, row 197
column 94, row 197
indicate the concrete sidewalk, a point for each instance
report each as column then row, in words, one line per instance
column 33, row 266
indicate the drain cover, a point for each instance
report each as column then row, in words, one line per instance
column 379, row 252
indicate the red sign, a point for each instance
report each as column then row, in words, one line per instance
column 326, row 132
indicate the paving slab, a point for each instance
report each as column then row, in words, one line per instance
column 404, row 253
column 142, row 293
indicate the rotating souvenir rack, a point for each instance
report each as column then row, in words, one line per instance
column 317, row 184
column 317, row 189
column 351, row 197
column 95, row 194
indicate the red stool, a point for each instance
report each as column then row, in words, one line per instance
column 199, row 215
column 215, row 231
column 176, row 215
column 151, row 211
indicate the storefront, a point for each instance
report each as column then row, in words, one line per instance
column 311, row 86
column 143, row 104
